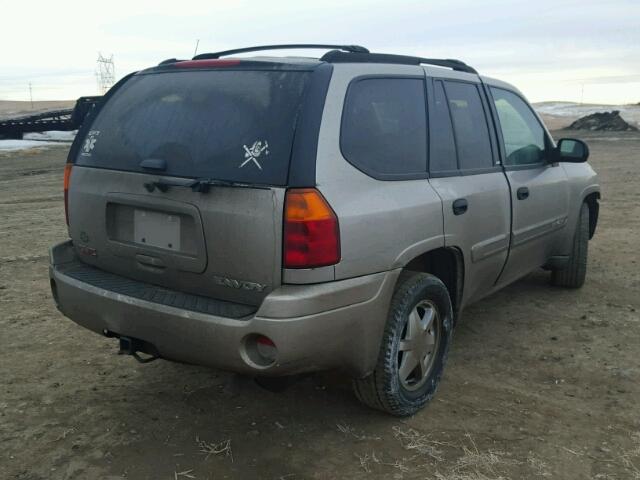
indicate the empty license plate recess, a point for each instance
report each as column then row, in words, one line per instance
column 156, row 229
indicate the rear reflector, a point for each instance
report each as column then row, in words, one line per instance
column 311, row 230
column 67, row 177
column 266, row 349
column 207, row 63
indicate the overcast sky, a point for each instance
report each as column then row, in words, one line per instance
column 550, row 49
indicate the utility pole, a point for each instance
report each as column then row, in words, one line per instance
column 30, row 96
column 581, row 93
column 195, row 52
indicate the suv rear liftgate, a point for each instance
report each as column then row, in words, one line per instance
column 180, row 180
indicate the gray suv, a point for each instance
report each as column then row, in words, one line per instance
column 279, row 215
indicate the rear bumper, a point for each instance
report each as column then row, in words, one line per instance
column 314, row 327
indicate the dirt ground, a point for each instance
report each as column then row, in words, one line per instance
column 541, row 382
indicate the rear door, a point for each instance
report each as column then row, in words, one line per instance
column 130, row 210
column 539, row 187
column 473, row 188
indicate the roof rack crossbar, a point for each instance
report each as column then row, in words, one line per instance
column 344, row 48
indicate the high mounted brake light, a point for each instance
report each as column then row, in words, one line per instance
column 311, row 230
column 207, row 63
column 65, row 186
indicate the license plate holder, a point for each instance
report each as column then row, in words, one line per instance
column 156, row 229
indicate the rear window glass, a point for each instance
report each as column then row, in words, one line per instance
column 384, row 126
column 227, row 125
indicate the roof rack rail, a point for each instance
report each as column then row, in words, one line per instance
column 335, row 56
column 168, row 61
column 344, row 48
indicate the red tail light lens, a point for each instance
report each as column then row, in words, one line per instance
column 311, row 230
column 67, row 177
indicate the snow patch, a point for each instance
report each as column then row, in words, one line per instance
column 54, row 135
column 13, row 145
column 37, row 140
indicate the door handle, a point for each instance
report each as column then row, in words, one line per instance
column 460, row 206
column 522, row 193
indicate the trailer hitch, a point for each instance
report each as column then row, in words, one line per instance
column 132, row 346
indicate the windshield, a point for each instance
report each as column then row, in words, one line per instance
column 235, row 125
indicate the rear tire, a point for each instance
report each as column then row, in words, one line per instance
column 418, row 331
column 574, row 274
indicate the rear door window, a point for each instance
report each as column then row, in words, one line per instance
column 470, row 126
column 235, row 125
column 442, row 153
column 384, row 127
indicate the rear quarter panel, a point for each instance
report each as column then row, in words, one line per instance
column 383, row 224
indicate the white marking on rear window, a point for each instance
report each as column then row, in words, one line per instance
column 252, row 153
column 90, row 143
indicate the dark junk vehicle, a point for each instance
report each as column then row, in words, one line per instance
column 279, row 215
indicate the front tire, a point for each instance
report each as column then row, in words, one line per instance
column 575, row 273
column 414, row 347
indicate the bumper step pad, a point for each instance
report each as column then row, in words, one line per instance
column 152, row 293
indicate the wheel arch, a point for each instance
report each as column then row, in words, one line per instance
column 446, row 263
column 594, row 210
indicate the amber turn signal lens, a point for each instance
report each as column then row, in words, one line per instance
column 311, row 230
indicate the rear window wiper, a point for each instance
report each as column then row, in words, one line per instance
column 200, row 185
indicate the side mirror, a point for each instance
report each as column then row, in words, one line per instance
column 572, row 150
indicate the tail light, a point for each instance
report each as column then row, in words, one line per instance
column 67, row 176
column 311, row 230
